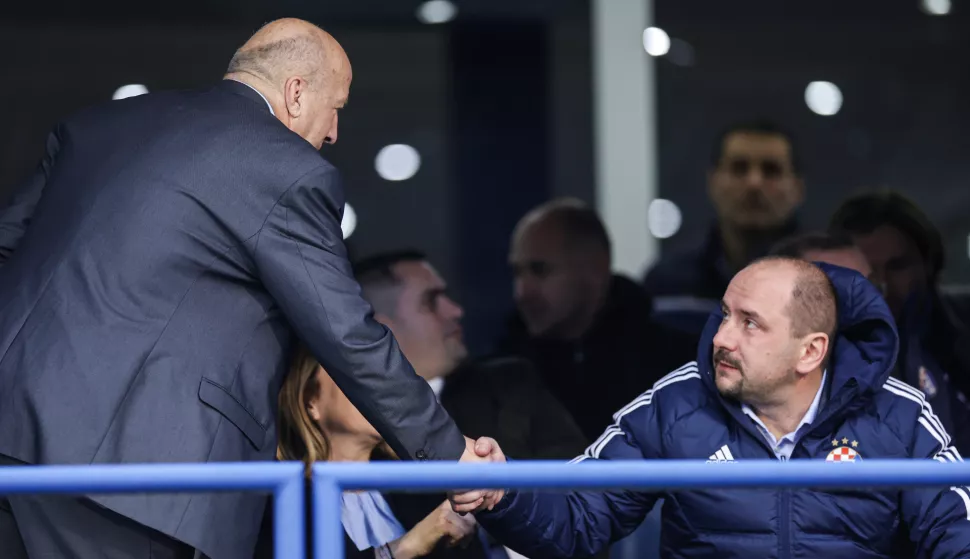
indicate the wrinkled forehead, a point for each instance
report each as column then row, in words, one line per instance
column 765, row 290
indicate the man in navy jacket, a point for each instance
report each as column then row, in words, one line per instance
column 771, row 381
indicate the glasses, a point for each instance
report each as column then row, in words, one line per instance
column 770, row 168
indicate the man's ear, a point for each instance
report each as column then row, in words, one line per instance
column 814, row 348
column 294, row 95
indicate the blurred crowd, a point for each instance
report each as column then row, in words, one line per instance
column 583, row 341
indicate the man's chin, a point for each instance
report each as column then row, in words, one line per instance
column 730, row 390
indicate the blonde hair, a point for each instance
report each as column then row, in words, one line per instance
column 300, row 437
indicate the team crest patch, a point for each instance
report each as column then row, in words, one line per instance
column 844, row 453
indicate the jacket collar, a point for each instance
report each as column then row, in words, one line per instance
column 245, row 90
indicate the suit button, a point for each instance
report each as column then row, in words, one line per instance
column 421, row 455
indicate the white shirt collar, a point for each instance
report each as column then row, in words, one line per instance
column 807, row 419
column 437, row 384
column 260, row 94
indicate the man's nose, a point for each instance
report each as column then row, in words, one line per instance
column 754, row 177
column 725, row 337
column 332, row 134
column 452, row 309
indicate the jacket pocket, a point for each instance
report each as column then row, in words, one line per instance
column 219, row 399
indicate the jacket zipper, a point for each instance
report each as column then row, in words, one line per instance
column 784, row 534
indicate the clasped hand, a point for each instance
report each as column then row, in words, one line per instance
column 484, row 450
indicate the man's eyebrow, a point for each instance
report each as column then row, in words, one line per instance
column 743, row 312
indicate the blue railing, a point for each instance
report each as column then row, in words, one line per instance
column 286, row 481
column 331, row 478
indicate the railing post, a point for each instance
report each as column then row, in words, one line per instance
column 328, row 532
column 289, row 524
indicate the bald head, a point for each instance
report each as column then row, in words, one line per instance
column 812, row 305
column 577, row 225
column 560, row 256
column 303, row 73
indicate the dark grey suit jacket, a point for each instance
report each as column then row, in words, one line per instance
column 154, row 273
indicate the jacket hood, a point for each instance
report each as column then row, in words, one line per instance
column 866, row 344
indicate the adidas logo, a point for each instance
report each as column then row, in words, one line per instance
column 723, row 455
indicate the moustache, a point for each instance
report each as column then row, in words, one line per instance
column 721, row 355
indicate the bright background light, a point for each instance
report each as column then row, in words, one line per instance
column 436, row 11
column 397, row 162
column 663, row 218
column 936, row 7
column 656, row 41
column 349, row 222
column 823, row 98
column 130, row 90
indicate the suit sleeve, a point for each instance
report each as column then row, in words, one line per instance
column 301, row 259
column 15, row 218
column 938, row 520
column 583, row 523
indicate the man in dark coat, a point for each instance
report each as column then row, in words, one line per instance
column 154, row 273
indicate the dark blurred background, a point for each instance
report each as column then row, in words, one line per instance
column 498, row 104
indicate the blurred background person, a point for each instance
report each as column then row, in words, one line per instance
column 587, row 330
column 831, row 248
column 905, row 251
column 755, row 184
column 500, row 397
column 492, row 396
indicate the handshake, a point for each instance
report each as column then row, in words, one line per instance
column 483, row 450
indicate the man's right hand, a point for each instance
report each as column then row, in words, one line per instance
column 484, row 449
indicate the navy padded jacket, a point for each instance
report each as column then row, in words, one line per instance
column 866, row 415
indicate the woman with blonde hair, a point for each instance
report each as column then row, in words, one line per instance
column 318, row 423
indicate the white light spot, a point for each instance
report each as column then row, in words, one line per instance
column 936, row 7
column 349, row 222
column 436, row 11
column 397, row 162
column 823, row 98
column 656, row 41
column 663, row 218
column 130, row 90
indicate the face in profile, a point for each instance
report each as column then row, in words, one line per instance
column 552, row 287
column 755, row 352
column 754, row 186
column 426, row 321
column 313, row 105
column 898, row 268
